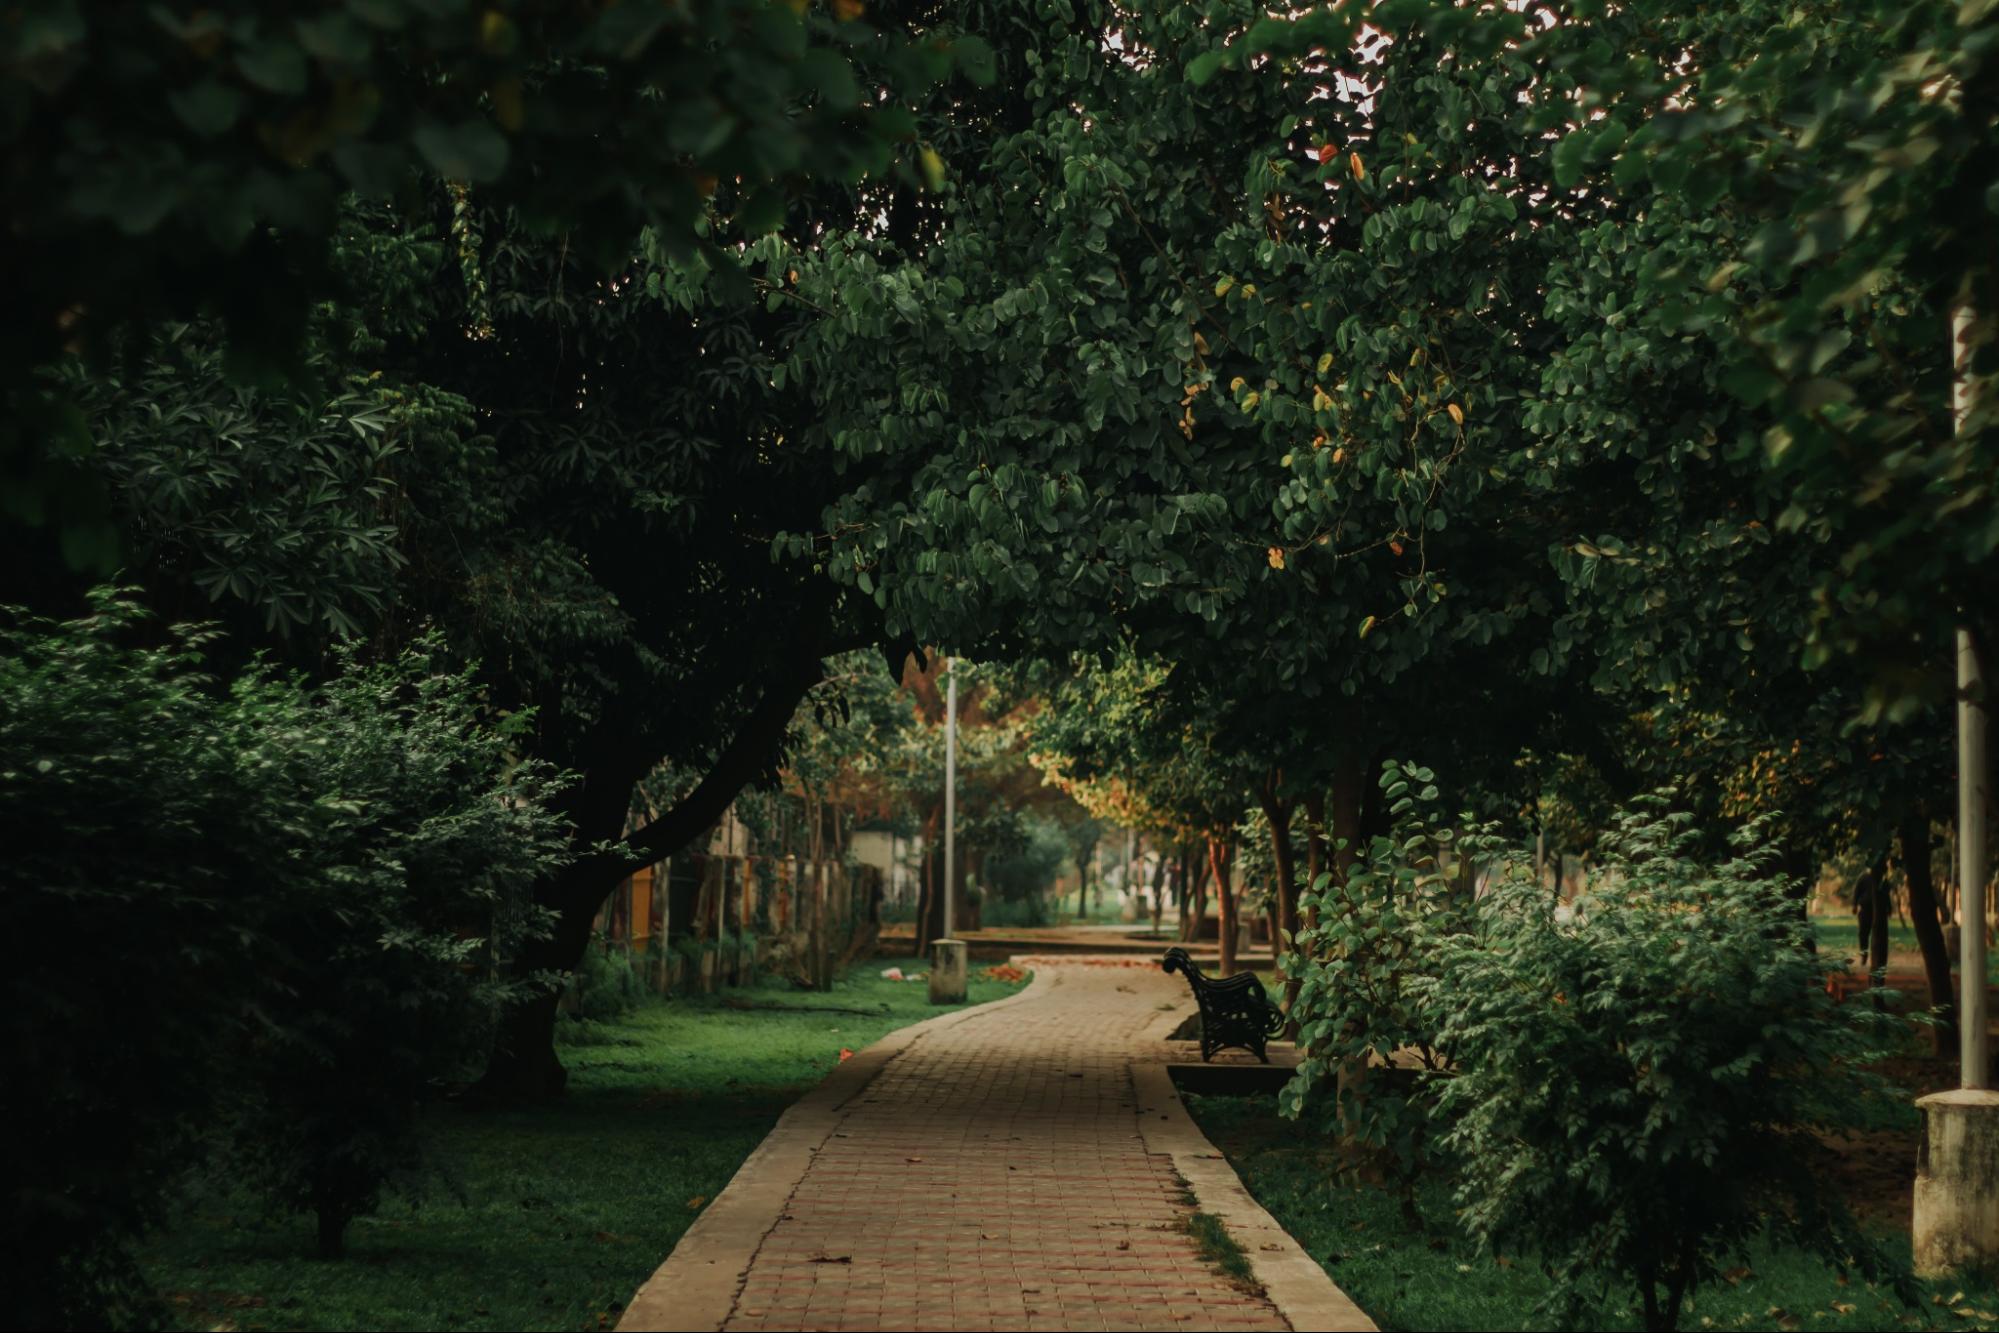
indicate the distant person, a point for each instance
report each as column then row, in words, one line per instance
column 1870, row 914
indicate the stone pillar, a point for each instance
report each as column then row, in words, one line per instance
column 947, row 971
column 1957, row 1182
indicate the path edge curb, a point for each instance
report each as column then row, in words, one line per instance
column 1292, row 1280
column 696, row 1285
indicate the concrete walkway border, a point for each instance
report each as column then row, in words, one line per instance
column 1291, row 1278
column 697, row 1287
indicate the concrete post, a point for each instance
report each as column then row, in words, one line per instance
column 1957, row 1167
column 947, row 971
column 1974, row 1056
column 1957, row 1181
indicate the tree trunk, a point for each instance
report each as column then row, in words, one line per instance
column 1877, row 922
column 1160, row 882
column 1278, row 812
column 524, row 1067
column 1221, row 857
column 1315, row 839
column 1195, row 914
column 332, row 1233
column 1928, row 924
column 1348, row 829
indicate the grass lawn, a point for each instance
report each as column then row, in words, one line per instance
column 1406, row 1279
column 566, row 1208
column 1839, row 935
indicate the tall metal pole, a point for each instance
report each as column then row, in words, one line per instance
column 950, row 798
column 1973, row 779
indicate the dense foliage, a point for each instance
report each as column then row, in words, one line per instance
column 1632, row 1085
column 308, row 886
column 1562, row 396
column 1638, row 1087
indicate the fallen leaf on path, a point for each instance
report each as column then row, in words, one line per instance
column 697, row 1201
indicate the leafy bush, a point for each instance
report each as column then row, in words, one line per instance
column 1636, row 1091
column 1366, row 1021
column 283, row 892
column 424, row 844
column 1025, row 867
column 605, row 985
column 137, row 841
column 1029, row 912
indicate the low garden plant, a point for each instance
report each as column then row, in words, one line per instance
column 1634, row 1086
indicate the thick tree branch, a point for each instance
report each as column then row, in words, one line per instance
column 748, row 753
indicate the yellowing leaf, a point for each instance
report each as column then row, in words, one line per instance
column 1321, row 402
column 1200, row 343
column 933, row 165
column 1366, row 627
column 1222, row 286
column 1359, row 171
column 1325, row 363
column 1457, row 413
column 1277, row 557
column 1235, row 385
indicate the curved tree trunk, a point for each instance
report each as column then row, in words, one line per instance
column 1221, row 859
column 524, row 1066
column 1278, row 811
column 1927, row 922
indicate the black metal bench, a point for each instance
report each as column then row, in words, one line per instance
column 1235, row 1012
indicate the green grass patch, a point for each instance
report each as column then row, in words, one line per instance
column 1417, row 1277
column 1840, row 937
column 565, row 1209
column 1220, row 1250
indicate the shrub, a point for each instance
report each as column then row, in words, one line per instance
column 1366, row 1023
column 290, row 894
column 415, row 871
column 1638, row 1090
column 136, row 845
column 605, row 985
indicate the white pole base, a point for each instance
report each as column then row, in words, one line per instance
column 947, row 971
column 1957, row 1182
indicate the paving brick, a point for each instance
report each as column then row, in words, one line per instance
column 992, row 1176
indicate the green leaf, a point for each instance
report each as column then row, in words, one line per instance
column 472, row 152
column 275, row 66
column 208, row 108
column 827, row 73
column 1569, row 158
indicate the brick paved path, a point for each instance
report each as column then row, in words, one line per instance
column 993, row 1175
